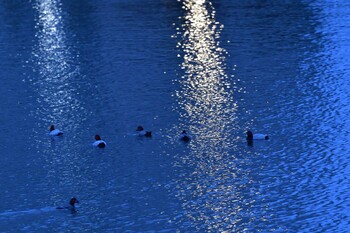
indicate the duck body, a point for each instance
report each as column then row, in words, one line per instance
column 143, row 133
column 99, row 142
column 54, row 131
column 256, row 136
column 71, row 206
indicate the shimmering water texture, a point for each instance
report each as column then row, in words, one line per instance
column 212, row 68
column 210, row 192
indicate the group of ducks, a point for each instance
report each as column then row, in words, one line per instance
column 141, row 132
column 102, row 144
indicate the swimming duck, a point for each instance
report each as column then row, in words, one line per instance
column 55, row 132
column 142, row 132
column 258, row 136
column 71, row 206
column 99, row 142
column 184, row 137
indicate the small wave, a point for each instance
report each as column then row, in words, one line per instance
column 14, row 214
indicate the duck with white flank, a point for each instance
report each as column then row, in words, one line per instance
column 257, row 136
column 54, row 131
column 99, row 142
column 142, row 132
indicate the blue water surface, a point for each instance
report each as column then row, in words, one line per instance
column 213, row 68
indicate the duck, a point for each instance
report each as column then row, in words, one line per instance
column 99, row 142
column 142, row 132
column 184, row 137
column 54, row 131
column 258, row 136
column 71, row 206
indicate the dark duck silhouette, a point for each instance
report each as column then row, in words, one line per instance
column 184, row 137
column 142, row 132
column 71, row 206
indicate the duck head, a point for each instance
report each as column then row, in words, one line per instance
column 97, row 137
column 73, row 201
column 139, row 128
column 52, row 127
column 249, row 135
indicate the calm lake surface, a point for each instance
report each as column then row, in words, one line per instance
column 213, row 68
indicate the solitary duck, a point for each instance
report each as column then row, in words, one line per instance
column 99, row 142
column 142, row 132
column 71, row 206
column 257, row 136
column 55, row 132
column 184, row 137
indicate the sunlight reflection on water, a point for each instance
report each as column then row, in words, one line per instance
column 56, row 67
column 212, row 198
column 58, row 97
column 205, row 96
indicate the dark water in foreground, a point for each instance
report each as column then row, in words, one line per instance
column 213, row 68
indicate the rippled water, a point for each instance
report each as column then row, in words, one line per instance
column 213, row 68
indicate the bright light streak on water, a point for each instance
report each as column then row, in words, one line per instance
column 214, row 194
column 205, row 95
column 57, row 83
column 57, row 68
